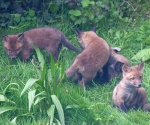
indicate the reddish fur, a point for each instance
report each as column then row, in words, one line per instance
column 48, row 38
column 94, row 56
column 129, row 93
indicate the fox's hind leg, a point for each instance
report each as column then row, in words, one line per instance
column 84, row 81
column 142, row 99
column 78, row 77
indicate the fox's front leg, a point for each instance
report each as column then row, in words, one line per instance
column 25, row 54
column 122, row 106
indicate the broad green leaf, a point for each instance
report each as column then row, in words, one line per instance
column 85, row 3
column 50, row 113
column 59, row 109
column 142, row 55
column 13, row 121
column 43, row 93
column 28, row 18
column 78, row 21
column 31, row 13
column 39, row 99
column 5, row 109
column 92, row 2
column 31, row 96
column 5, row 99
column 22, row 19
column 40, row 56
column 34, row 18
column 73, row 17
column 53, row 8
column 75, row 12
column 2, row 98
column 29, row 83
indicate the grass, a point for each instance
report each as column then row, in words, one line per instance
column 81, row 106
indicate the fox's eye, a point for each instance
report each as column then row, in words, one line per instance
column 132, row 78
column 140, row 77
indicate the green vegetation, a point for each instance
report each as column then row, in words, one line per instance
column 30, row 93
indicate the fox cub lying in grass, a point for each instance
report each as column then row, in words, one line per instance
column 129, row 93
column 94, row 56
column 47, row 38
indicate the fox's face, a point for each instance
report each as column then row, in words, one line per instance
column 133, row 75
column 13, row 44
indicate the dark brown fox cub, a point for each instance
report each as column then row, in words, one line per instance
column 129, row 93
column 113, row 67
column 48, row 38
column 94, row 56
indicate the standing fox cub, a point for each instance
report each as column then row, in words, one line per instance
column 94, row 56
column 129, row 93
column 48, row 38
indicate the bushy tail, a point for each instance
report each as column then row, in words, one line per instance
column 146, row 107
column 66, row 43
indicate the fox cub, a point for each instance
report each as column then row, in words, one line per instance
column 94, row 56
column 129, row 93
column 47, row 38
column 113, row 68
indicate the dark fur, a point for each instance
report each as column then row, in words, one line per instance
column 50, row 39
column 113, row 68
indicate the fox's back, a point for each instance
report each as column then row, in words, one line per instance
column 42, row 37
column 96, row 53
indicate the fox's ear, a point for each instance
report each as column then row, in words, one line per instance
column 126, row 69
column 77, row 31
column 20, row 36
column 5, row 38
column 118, row 66
column 94, row 29
column 141, row 66
column 116, row 49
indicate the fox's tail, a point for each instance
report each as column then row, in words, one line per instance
column 66, row 43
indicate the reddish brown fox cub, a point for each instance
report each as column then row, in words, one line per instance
column 94, row 56
column 129, row 93
column 46, row 38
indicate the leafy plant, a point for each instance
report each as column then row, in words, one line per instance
column 142, row 55
column 27, row 16
column 93, row 11
column 46, row 89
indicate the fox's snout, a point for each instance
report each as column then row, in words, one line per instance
column 13, row 57
column 139, row 85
